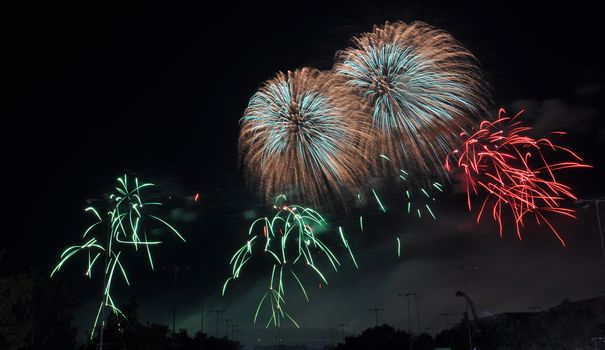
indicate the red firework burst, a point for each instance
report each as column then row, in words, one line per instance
column 506, row 165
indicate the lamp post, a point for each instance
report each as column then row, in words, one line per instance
column 466, row 267
column 376, row 311
column 416, row 297
column 175, row 269
column 468, row 320
column 217, row 316
column 408, row 295
column 227, row 320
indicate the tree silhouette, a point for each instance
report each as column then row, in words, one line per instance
column 36, row 312
column 127, row 332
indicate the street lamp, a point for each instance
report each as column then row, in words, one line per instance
column 468, row 319
column 376, row 311
column 408, row 295
column 466, row 267
column 227, row 320
column 175, row 268
column 217, row 315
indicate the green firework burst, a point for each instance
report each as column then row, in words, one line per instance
column 126, row 223
column 291, row 239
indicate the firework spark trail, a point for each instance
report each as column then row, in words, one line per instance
column 417, row 196
column 398, row 247
column 423, row 87
column 510, row 169
column 301, row 134
column 293, row 228
column 127, row 222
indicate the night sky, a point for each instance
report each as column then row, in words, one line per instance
column 96, row 90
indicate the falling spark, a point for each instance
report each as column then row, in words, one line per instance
column 379, row 202
column 398, row 247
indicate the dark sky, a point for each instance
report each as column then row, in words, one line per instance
column 95, row 90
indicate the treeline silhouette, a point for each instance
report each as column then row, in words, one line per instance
column 569, row 325
column 37, row 312
column 128, row 333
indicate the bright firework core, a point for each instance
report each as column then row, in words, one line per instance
column 301, row 135
column 423, row 88
column 382, row 84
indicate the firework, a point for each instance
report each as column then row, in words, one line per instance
column 501, row 162
column 398, row 247
column 291, row 239
column 300, row 135
column 418, row 197
column 126, row 225
column 423, row 88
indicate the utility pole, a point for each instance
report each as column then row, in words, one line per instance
column 217, row 314
column 376, row 311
